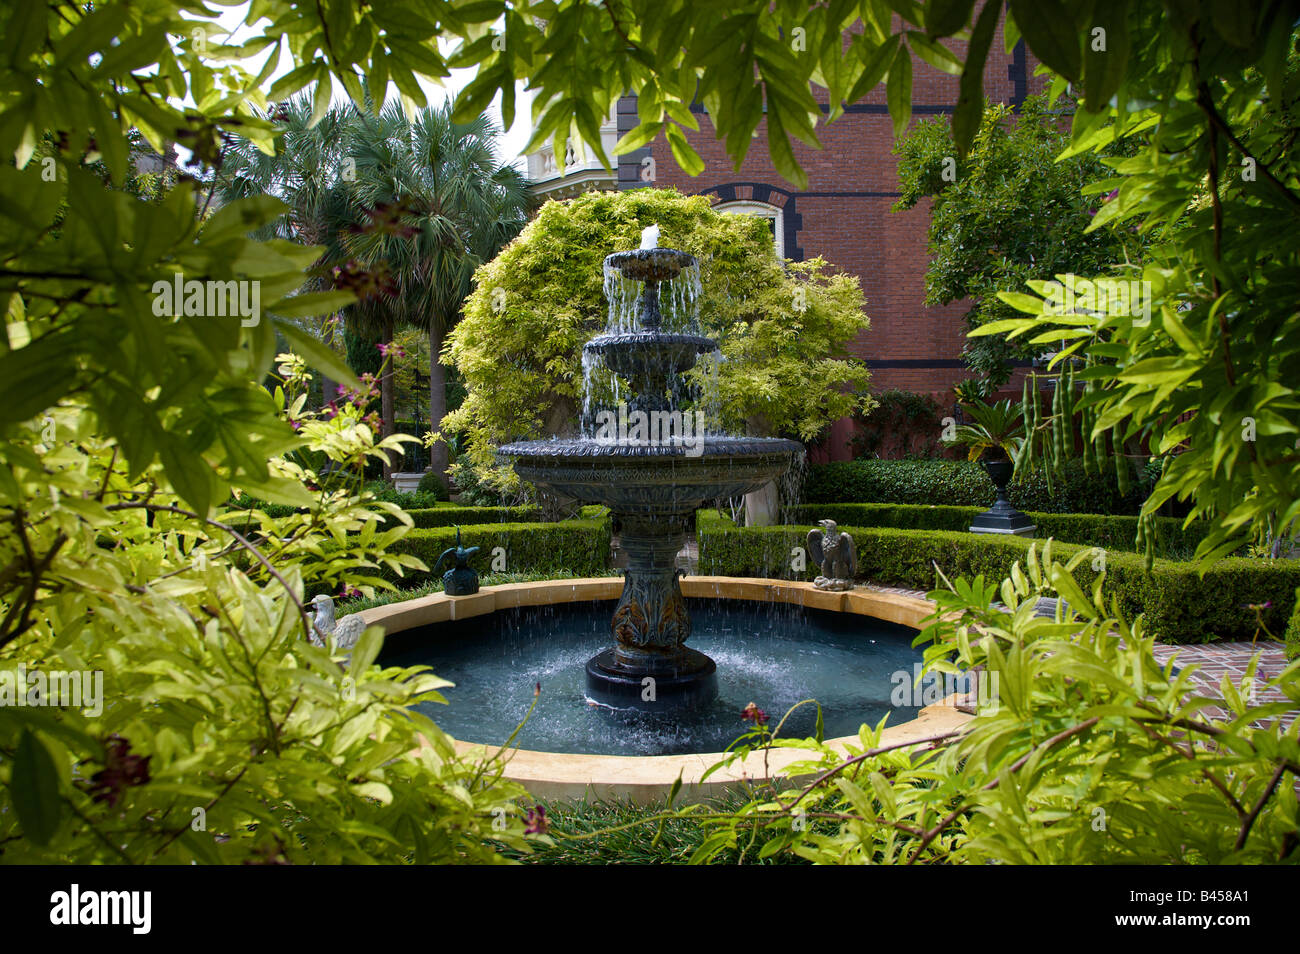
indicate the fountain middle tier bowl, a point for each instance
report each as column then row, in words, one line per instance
column 643, row 352
column 647, row 478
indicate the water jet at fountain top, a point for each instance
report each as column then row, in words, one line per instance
column 653, row 486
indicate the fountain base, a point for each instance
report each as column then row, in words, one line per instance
column 686, row 681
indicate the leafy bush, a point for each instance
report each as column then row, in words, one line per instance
column 473, row 490
column 409, row 500
column 432, row 484
column 1085, row 529
column 1180, row 605
column 212, row 730
column 963, row 483
column 783, row 328
column 901, row 425
column 1084, row 749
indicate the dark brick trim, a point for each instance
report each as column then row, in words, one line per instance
column 791, row 220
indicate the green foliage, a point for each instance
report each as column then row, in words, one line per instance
column 432, row 484
column 624, row 833
column 782, row 330
column 121, row 430
column 1085, row 749
column 425, row 518
column 221, row 735
column 996, row 430
column 902, row 424
column 1180, row 605
column 362, row 355
column 1004, row 213
column 965, row 484
column 579, row 547
column 1085, row 529
column 1209, row 365
column 1292, row 635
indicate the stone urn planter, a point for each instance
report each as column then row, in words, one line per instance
column 407, row 482
column 1002, row 517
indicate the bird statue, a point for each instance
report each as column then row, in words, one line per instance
column 460, row 580
column 346, row 631
column 835, row 556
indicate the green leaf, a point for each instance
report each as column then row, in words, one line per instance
column 34, row 786
column 366, row 650
column 307, row 304
column 898, row 92
column 778, row 145
column 318, row 356
column 876, row 65
column 1051, row 34
column 685, row 156
column 946, row 17
column 26, row 30
column 934, row 53
column 1103, row 68
column 969, row 112
column 636, row 138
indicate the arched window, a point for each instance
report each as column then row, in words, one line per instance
column 761, row 209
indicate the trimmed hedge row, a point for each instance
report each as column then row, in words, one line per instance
column 1086, row 529
column 578, row 546
column 965, row 484
column 1180, row 605
column 427, row 517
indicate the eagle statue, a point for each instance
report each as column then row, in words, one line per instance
column 346, row 631
column 835, row 556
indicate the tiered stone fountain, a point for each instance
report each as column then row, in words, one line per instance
column 652, row 486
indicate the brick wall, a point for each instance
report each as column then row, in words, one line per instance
column 844, row 217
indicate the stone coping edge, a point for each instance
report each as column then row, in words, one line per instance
column 648, row 779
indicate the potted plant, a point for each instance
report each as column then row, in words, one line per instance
column 995, row 436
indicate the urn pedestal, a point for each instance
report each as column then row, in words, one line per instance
column 1002, row 517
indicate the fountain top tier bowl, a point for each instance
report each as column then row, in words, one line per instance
column 650, row 264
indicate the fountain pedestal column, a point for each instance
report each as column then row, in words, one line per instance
column 649, row 664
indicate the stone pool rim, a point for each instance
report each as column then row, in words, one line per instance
column 648, row 778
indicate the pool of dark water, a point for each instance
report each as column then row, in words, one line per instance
column 774, row 655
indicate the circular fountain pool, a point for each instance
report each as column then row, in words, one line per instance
column 772, row 654
column 647, row 779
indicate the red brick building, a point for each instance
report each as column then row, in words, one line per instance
column 843, row 216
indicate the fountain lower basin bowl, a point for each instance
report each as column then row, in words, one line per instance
column 441, row 631
column 669, row 478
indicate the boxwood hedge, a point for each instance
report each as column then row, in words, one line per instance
column 427, row 517
column 1180, row 605
column 965, row 484
column 1086, row 529
column 578, row 546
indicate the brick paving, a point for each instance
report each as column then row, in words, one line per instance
column 1213, row 661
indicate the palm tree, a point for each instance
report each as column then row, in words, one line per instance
column 423, row 202
column 461, row 205
column 306, row 173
